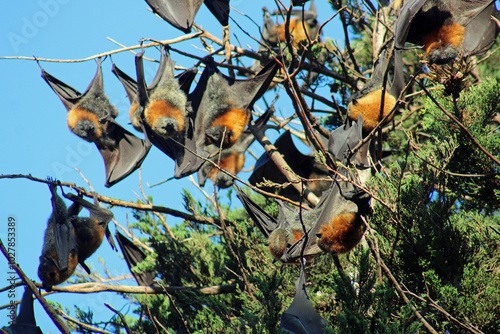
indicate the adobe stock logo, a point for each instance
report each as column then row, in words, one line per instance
column 30, row 26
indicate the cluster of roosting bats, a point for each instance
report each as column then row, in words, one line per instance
column 214, row 122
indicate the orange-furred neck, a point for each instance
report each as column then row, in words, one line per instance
column 234, row 121
column 296, row 30
column 368, row 107
column 342, row 234
column 451, row 34
column 78, row 114
column 232, row 163
column 158, row 109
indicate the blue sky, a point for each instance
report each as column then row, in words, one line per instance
column 35, row 138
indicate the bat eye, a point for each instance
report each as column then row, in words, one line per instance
column 211, row 96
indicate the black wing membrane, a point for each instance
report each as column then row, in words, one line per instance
column 25, row 322
column 301, row 317
column 179, row 13
column 133, row 256
column 265, row 222
column 220, row 9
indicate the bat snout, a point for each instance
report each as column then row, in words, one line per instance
column 167, row 127
column 443, row 55
column 86, row 130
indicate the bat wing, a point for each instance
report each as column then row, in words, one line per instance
column 481, row 31
column 179, row 13
column 68, row 95
column 133, row 256
column 128, row 83
column 65, row 243
column 403, row 24
column 25, row 321
column 220, row 9
column 464, row 11
column 186, row 78
column 344, row 139
column 266, row 168
column 97, row 213
column 265, row 223
column 126, row 157
column 301, row 317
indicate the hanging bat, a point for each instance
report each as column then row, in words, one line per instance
column 301, row 317
column 367, row 102
column 184, row 80
column 304, row 166
column 89, row 231
column 25, row 322
column 334, row 225
column 59, row 253
column 166, row 114
column 133, row 256
column 302, row 25
column 339, row 226
column 447, row 29
column 181, row 13
column 223, row 105
column 231, row 159
column 92, row 117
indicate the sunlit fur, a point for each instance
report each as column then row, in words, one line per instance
column 296, row 29
column 233, row 163
column 278, row 242
column 297, row 235
column 84, row 124
column 233, row 122
column 164, row 118
column 368, row 107
column 134, row 117
column 442, row 44
column 342, row 234
column 88, row 236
